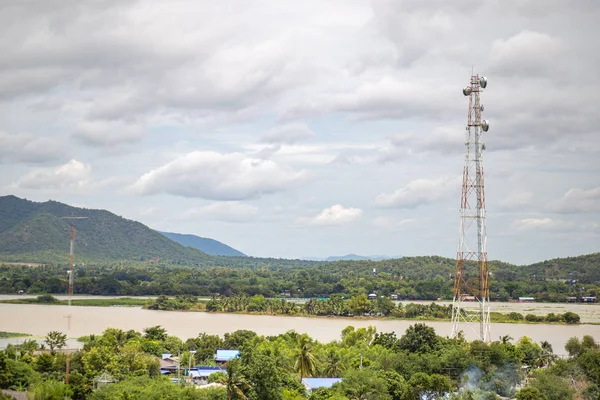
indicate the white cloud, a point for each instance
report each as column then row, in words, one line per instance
column 288, row 134
column 541, row 224
column 335, row 215
column 73, row 174
column 230, row 211
column 216, row 176
column 527, row 54
column 419, row 192
column 579, row 201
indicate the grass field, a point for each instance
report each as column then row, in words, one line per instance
column 7, row 335
column 123, row 302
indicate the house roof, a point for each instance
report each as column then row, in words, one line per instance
column 226, row 355
column 201, row 372
column 166, row 355
column 316, row 383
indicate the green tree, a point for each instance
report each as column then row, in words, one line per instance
column 364, row 384
column 333, row 363
column 360, row 304
column 51, row 390
column 56, row 340
column 236, row 383
column 553, row 387
column 305, row 362
column 573, row 347
column 530, row 393
column 155, row 333
column 419, row 338
column 571, row 317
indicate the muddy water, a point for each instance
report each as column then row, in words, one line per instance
column 40, row 319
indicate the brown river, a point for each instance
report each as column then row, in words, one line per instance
column 38, row 320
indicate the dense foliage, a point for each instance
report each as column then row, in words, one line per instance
column 372, row 365
column 411, row 278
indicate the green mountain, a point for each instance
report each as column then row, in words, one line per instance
column 207, row 245
column 39, row 232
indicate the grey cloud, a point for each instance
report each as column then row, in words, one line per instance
column 578, row 201
column 108, row 133
column 528, row 54
column 216, row 176
column 419, row 192
column 25, row 147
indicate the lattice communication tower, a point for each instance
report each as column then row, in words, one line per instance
column 470, row 305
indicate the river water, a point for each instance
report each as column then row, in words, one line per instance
column 38, row 320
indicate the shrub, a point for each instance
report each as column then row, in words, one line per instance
column 571, row 317
column 553, row 318
column 46, row 298
column 533, row 318
column 515, row 316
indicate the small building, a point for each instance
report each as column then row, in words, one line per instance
column 223, row 356
column 589, row 299
column 394, row 297
column 286, row 293
column 312, row 384
column 526, row 299
column 167, row 361
column 372, row 296
column 199, row 375
column 467, row 297
column 572, row 299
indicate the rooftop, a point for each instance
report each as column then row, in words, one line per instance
column 316, row 383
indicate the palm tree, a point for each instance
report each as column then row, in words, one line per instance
column 506, row 339
column 235, row 380
column 548, row 357
column 334, row 364
column 305, row 359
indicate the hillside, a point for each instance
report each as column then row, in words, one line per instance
column 206, row 245
column 31, row 232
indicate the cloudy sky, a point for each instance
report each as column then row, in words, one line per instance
column 308, row 128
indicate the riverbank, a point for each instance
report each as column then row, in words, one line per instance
column 9, row 335
column 200, row 306
column 110, row 302
column 41, row 319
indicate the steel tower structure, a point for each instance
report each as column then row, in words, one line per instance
column 70, row 274
column 470, row 305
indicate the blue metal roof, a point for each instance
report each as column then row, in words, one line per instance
column 316, row 383
column 204, row 372
column 226, row 355
column 166, row 355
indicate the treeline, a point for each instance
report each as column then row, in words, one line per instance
column 337, row 306
column 376, row 366
column 411, row 278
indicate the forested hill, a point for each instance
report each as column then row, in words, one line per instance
column 37, row 232
column 207, row 245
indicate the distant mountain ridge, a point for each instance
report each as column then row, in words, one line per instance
column 350, row 257
column 206, row 245
column 32, row 231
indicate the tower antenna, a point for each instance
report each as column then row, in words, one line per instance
column 470, row 304
column 71, row 256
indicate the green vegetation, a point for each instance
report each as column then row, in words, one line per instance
column 410, row 278
column 372, row 365
column 6, row 335
column 48, row 299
